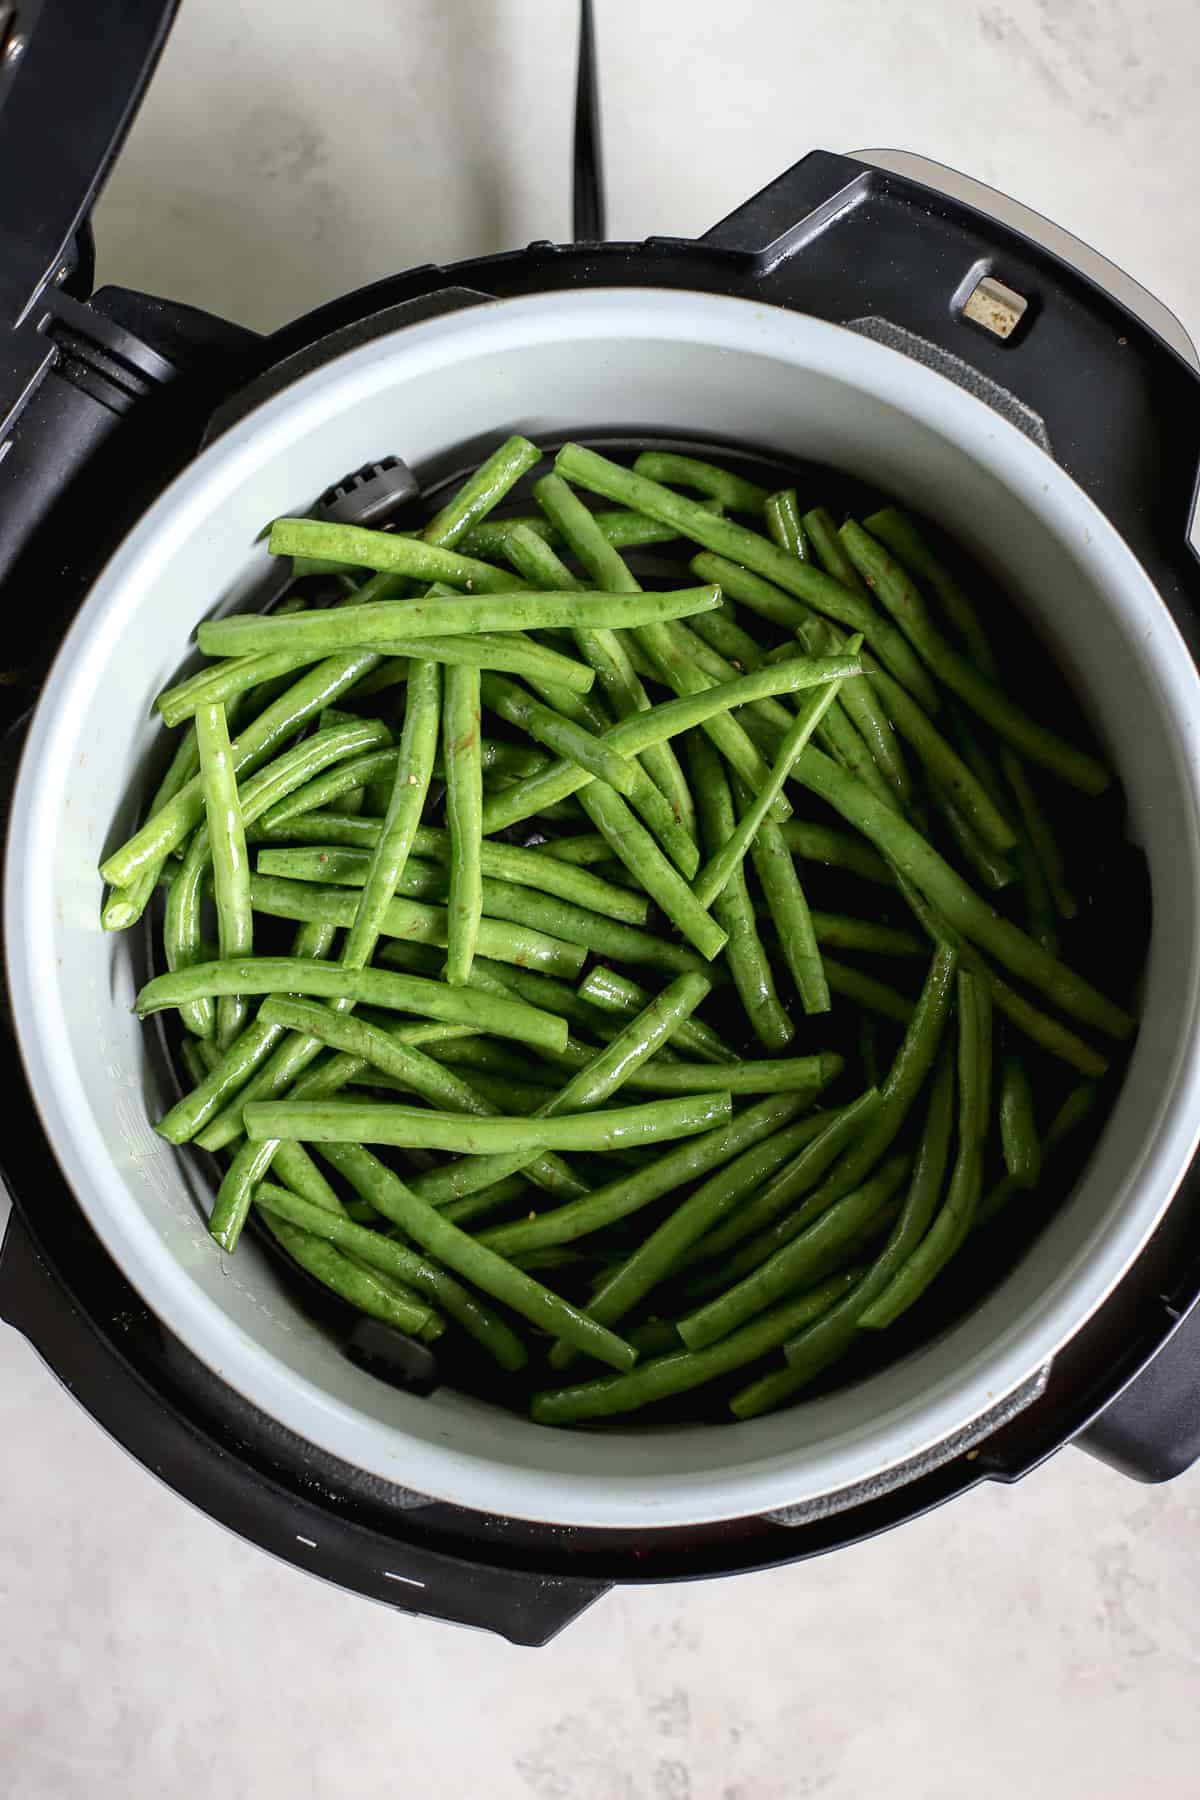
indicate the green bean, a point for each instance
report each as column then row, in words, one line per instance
column 897, row 841
column 629, row 1192
column 296, row 1169
column 471, row 1209
column 808, row 1075
column 514, row 652
column 732, row 491
column 822, row 530
column 482, row 491
column 386, row 625
column 909, row 548
column 1073, row 1111
column 872, row 717
column 290, row 1060
column 660, row 1255
column 534, row 560
column 638, row 732
column 181, row 924
column 608, row 653
column 876, row 996
column 741, row 545
column 892, row 586
column 420, row 1074
column 388, row 552
column 372, row 987
column 474, row 1262
column 502, row 1096
column 721, row 632
column 594, row 755
column 361, row 1288
column 946, row 769
column 560, row 735
column 857, row 729
column 1041, row 920
column 124, row 906
column 993, row 870
column 170, row 824
column 829, row 1337
column 715, row 874
column 761, row 1223
column 956, row 1215
column 842, row 1129
column 1018, row 1124
column 809, row 1257
column 232, row 1070
column 464, row 817
column 1049, row 1034
column 544, row 916
column 212, row 685
column 784, row 524
column 765, row 719
column 534, row 867
column 624, row 530
column 617, row 994
column 683, row 1370
column 788, row 908
column 200, row 1056
column 559, row 997
column 1040, row 835
column 583, row 850
column 637, row 850
column 498, row 939
column 748, row 961
column 231, row 869
column 726, row 695
column 413, row 1128
column 945, row 766
column 843, row 933
column 400, row 1263
column 676, row 651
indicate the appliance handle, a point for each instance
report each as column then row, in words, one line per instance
column 1151, row 1430
column 85, row 68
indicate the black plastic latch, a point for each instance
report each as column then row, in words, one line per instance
column 1151, row 1431
column 392, row 1356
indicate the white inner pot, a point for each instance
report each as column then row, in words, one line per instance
column 685, row 364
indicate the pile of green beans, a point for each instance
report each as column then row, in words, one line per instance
column 553, row 1066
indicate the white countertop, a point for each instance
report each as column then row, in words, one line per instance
column 1043, row 1639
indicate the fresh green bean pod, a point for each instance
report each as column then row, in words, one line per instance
column 464, row 818
column 629, row 1192
column 372, row 987
column 828, row 1338
column 957, row 1213
column 732, row 491
column 400, row 1263
column 606, row 651
column 616, row 993
column 714, row 532
column 1018, row 1124
column 733, row 909
column 482, row 491
column 892, row 587
column 683, row 1370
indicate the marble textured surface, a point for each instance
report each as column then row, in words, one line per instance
column 1044, row 1639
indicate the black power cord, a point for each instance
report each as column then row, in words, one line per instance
column 588, row 190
